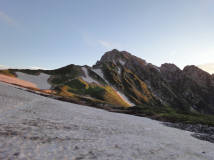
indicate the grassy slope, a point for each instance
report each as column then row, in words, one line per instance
column 7, row 73
column 98, row 92
column 170, row 115
column 69, row 82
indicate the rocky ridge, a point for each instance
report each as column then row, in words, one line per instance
column 122, row 79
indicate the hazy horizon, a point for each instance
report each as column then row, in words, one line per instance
column 209, row 67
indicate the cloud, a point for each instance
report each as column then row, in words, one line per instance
column 4, row 17
column 2, row 67
column 92, row 41
column 209, row 67
column 36, row 68
column 108, row 45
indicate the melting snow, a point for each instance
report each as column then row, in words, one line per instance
column 124, row 98
column 119, row 70
column 122, row 62
column 70, row 131
column 99, row 72
column 40, row 80
column 87, row 78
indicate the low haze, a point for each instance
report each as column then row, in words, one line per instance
column 207, row 67
column 51, row 34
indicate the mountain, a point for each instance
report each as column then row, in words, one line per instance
column 40, row 128
column 120, row 79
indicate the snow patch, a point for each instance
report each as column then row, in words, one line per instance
column 119, row 70
column 122, row 62
column 158, row 69
column 87, row 78
column 40, row 80
column 124, row 97
column 99, row 72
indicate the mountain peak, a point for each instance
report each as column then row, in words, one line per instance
column 115, row 54
column 122, row 57
column 194, row 69
column 200, row 76
column 169, row 67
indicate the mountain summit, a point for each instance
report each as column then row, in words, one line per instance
column 120, row 79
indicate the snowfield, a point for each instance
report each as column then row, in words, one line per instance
column 99, row 72
column 38, row 128
column 41, row 80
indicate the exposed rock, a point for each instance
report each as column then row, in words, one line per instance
column 187, row 90
column 201, row 77
column 203, row 132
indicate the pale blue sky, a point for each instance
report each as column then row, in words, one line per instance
column 55, row 33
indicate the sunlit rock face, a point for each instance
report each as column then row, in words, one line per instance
column 122, row 79
column 168, row 84
column 201, row 77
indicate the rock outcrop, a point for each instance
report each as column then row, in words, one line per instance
column 122, row 79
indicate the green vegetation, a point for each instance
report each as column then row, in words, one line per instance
column 71, row 71
column 7, row 73
column 62, row 76
column 169, row 114
column 188, row 118
column 79, row 87
column 96, row 91
column 129, row 82
column 28, row 71
column 110, row 72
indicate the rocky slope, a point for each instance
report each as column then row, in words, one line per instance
column 122, row 79
column 190, row 89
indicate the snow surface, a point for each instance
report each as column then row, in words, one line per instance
column 119, row 70
column 38, row 128
column 99, row 72
column 87, row 78
column 41, row 80
column 122, row 62
column 16, row 81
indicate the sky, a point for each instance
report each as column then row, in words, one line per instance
column 53, row 33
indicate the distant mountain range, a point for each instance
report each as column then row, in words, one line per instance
column 120, row 79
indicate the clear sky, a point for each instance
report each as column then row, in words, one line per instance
column 54, row 33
